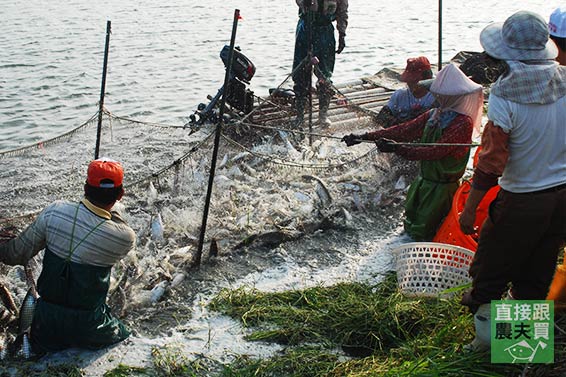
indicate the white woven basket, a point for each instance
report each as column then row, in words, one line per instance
column 428, row 268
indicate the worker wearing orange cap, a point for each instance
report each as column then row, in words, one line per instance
column 82, row 241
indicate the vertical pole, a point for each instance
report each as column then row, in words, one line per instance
column 309, row 64
column 102, row 90
column 439, row 35
column 217, row 139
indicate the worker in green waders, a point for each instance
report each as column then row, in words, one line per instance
column 318, row 15
column 429, row 198
column 82, row 241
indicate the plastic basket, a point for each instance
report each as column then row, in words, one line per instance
column 429, row 268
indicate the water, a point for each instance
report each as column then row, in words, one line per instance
column 163, row 62
column 164, row 55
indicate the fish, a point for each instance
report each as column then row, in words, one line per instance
column 151, row 193
column 177, row 279
column 26, row 347
column 26, row 311
column 290, row 148
column 239, row 156
column 30, row 279
column 321, row 190
column 347, row 215
column 401, row 183
column 7, row 299
column 157, row 228
column 213, row 248
column 223, row 162
column 158, row 291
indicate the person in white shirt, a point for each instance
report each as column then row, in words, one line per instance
column 524, row 150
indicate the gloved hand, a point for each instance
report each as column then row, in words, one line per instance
column 352, row 139
column 341, row 43
column 386, row 145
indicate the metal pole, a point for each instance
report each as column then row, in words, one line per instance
column 102, row 90
column 217, row 139
column 439, row 35
column 309, row 65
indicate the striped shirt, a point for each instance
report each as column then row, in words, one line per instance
column 82, row 232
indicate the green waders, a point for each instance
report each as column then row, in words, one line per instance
column 324, row 48
column 430, row 196
column 72, row 310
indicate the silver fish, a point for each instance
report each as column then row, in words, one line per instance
column 157, row 228
column 223, row 162
column 152, row 193
column 177, row 279
column 26, row 311
column 158, row 291
column 26, row 347
column 321, row 190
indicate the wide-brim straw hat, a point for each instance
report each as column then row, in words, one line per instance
column 523, row 36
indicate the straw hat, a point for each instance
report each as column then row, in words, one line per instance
column 523, row 36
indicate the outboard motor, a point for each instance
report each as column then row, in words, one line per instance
column 242, row 72
column 238, row 96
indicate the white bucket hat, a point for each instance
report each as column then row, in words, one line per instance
column 557, row 23
column 523, row 36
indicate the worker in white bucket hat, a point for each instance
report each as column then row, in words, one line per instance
column 524, row 151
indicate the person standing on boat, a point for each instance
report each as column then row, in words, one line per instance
column 319, row 15
column 430, row 195
column 82, row 241
column 557, row 30
column 524, row 150
column 408, row 103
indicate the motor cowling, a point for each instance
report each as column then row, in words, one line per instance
column 242, row 67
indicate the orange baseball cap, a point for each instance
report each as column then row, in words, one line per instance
column 105, row 173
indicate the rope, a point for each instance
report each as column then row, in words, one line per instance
column 152, row 124
column 54, row 140
column 253, row 125
column 348, row 101
column 438, row 144
column 174, row 164
column 288, row 163
column 290, row 130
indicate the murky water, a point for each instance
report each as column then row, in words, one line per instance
column 164, row 55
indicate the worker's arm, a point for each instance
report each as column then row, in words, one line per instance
column 342, row 17
column 26, row 245
column 491, row 163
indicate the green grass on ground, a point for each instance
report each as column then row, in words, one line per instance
column 384, row 332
